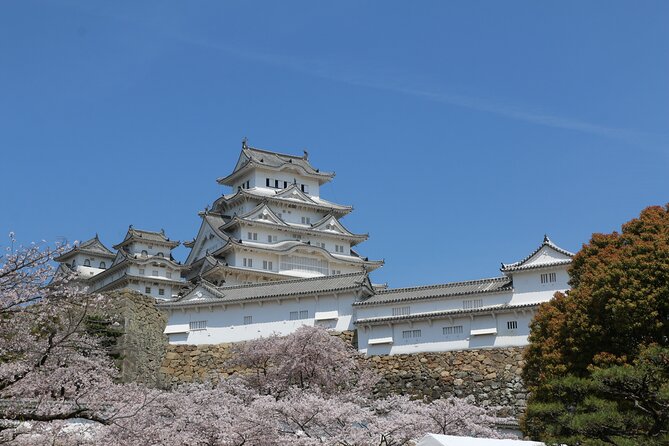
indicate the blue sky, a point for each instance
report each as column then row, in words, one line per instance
column 461, row 132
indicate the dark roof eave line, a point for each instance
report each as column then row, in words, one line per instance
column 256, row 298
column 411, row 299
column 439, row 314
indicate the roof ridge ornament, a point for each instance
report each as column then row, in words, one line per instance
column 245, row 143
column 546, row 239
column 306, row 155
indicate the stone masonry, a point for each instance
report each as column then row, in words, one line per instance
column 491, row 376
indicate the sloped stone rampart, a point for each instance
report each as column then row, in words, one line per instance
column 491, row 376
column 141, row 344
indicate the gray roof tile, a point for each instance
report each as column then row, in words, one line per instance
column 437, row 291
column 445, row 313
column 284, row 288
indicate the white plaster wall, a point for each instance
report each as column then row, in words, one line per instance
column 261, row 176
column 80, row 259
column 150, row 248
column 294, row 215
column 432, row 338
column 528, row 288
column 283, row 234
column 227, row 325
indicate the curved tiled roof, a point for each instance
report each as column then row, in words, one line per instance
column 275, row 161
column 482, row 286
column 273, row 196
column 146, row 236
column 279, row 289
column 511, row 268
column 290, row 245
column 93, row 246
column 517, row 266
column 295, row 228
column 445, row 313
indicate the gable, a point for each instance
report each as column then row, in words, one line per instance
column 331, row 225
column 243, row 159
column 294, row 193
column 546, row 255
column 264, row 214
column 207, row 239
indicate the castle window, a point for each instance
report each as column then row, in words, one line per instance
column 401, row 311
column 197, row 325
column 471, row 304
column 336, row 271
column 145, row 253
column 304, row 188
column 271, row 238
column 304, row 264
column 512, row 325
column 141, row 271
column 248, row 320
column 103, row 265
column 248, row 262
column 267, row 265
column 453, row 330
column 161, row 291
column 548, row 278
column 154, row 272
column 306, row 220
column 147, row 290
column 339, row 248
column 267, row 182
column 87, row 262
column 285, row 184
column 296, row 315
column 276, row 184
column 408, row 334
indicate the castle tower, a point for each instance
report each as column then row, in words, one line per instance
column 274, row 225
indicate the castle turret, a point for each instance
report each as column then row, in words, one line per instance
column 274, row 225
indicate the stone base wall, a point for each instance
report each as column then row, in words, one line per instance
column 141, row 344
column 490, row 376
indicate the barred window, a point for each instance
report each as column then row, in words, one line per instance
column 453, row 330
column 471, row 304
column 548, row 278
column 300, row 263
column 512, row 325
column 197, row 325
column 408, row 334
column 248, row 320
column 401, row 311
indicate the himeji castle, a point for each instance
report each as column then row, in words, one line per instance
column 271, row 255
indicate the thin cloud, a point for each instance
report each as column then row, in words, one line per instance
column 324, row 70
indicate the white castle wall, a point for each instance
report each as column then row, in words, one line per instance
column 433, row 339
column 268, row 317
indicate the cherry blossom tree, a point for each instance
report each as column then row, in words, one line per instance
column 51, row 367
column 58, row 384
column 309, row 358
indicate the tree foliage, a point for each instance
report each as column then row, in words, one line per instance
column 604, row 327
